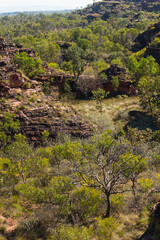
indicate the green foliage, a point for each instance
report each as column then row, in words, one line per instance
column 8, row 127
column 55, row 193
column 100, row 65
column 99, row 95
column 105, row 228
column 76, row 181
column 76, row 56
column 84, row 44
column 24, row 165
column 149, row 93
column 30, row 66
column 117, row 61
column 53, row 65
column 143, row 67
column 72, row 233
column 132, row 164
column 115, row 82
column 117, row 201
column 126, row 36
column 66, row 87
column 45, row 136
column 67, row 66
column 50, row 52
column 86, row 202
column 156, row 42
column 145, row 184
column 27, row 85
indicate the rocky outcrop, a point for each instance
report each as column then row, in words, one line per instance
column 92, row 17
column 103, row 8
column 38, row 112
column 34, row 122
column 8, row 50
column 16, row 80
column 153, row 231
column 107, row 8
column 155, row 52
column 8, row 70
column 146, row 38
column 125, row 85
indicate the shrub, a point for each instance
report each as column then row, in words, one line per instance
column 31, row 229
column 72, row 233
column 145, row 184
column 27, row 85
column 105, row 228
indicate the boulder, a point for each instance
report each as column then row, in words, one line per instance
column 85, row 85
column 16, row 81
column 154, row 225
column 125, row 83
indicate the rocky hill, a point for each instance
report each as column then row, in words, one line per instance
column 150, row 39
column 36, row 111
column 106, row 8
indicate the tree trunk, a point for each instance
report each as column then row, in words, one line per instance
column 133, row 189
column 100, row 103
column 107, row 215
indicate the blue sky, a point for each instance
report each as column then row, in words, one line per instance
column 20, row 5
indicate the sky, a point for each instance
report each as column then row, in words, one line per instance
column 20, row 5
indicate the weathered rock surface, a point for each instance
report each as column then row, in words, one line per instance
column 8, row 50
column 38, row 112
column 145, row 39
column 35, row 121
column 153, row 231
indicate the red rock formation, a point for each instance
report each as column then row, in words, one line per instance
column 16, row 81
column 125, row 84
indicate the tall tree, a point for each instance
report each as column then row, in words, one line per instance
column 76, row 56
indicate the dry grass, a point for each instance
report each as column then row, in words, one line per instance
column 112, row 108
column 128, row 226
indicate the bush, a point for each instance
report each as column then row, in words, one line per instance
column 27, row 85
column 31, row 229
column 105, row 228
column 72, row 233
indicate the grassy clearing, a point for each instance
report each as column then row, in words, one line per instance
column 114, row 109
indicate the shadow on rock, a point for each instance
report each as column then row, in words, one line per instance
column 153, row 231
column 141, row 121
